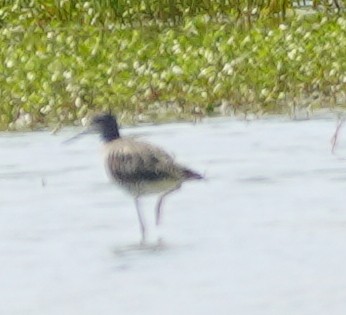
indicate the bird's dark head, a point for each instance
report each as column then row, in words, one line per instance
column 106, row 125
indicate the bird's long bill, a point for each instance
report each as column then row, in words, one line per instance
column 77, row 136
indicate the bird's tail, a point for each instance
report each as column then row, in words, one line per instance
column 189, row 174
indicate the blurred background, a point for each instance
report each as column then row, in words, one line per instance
column 168, row 60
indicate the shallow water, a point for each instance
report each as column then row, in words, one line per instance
column 265, row 234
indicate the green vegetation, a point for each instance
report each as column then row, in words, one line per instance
column 62, row 60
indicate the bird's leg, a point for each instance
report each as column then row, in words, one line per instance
column 159, row 204
column 141, row 221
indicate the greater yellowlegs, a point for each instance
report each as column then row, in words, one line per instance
column 138, row 167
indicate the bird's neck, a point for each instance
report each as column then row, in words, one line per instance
column 110, row 134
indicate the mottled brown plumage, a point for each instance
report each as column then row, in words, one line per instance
column 142, row 168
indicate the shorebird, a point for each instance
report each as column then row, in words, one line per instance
column 139, row 168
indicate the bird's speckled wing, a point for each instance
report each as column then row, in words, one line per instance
column 131, row 161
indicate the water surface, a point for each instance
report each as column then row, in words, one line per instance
column 265, row 234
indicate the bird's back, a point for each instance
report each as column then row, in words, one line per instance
column 142, row 168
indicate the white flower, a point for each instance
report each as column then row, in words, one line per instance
column 30, row 76
column 228, row 69
column 84, row 121
column 147, row 92
column 176, row 49
column 94, row 51
column 230, row 40
column 69, row 39
column 45, row 85
column 283, row 27
column 94, row 19
column 136, row 65
column 141, row 69
column 299, row 30
column 109, row 71
column 209, row 56
column 55, row 76
column 10, row 63
column 281, row 95
column 28, row 118
column 60, row 38
column 78, row 102
column 67, row 74
column 50, row 35
column 131, row 83
column 204, row 72
column 122, row 66
column 45, row 109
column 177, row 70
column 307, row 35
column 69, row 87
column 342, row 22
column 247, row 40
column 217, row 87
column 265, row 92
column 292, row 54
